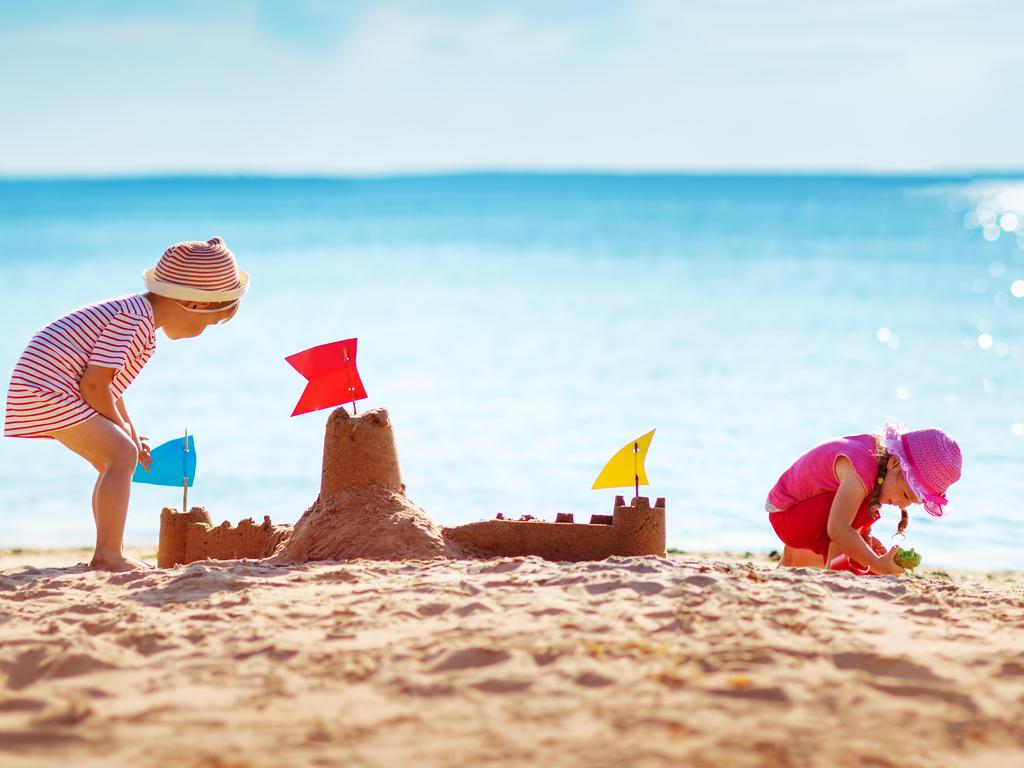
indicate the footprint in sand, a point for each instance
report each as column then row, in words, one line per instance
column 1011, row 669
column 147, row 643
column 337, row 576
column 643, row 587
column 75, row 664
column 639, row 566
column 504, row 566
column 470, row 608
column 86, row 609
column 700, row 581
column 22, row 704
column 593, row 680
column 27, row 667
column 603, row 587
column 129, row 577
column 646, row 587
column 881, row 665
column 503, row 686
column 943, row 694
column 770, row 694
column 101, row 626
column 471, row 658
column 432, row 609
column 38, row 663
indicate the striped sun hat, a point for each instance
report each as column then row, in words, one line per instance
column 197, row 271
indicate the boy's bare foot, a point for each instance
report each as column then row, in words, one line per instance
column 118, row 563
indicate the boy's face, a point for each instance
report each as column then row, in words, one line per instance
column 186, row 323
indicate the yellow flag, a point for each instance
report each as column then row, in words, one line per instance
column 627, row 466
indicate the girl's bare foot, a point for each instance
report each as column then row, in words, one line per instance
column 118, row 563
column 800, row 558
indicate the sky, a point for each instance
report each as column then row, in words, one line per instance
column 127, row 87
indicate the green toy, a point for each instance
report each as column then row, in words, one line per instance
column 907, row 558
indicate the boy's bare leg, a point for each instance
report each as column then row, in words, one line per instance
column 95, row 490
column 113, row 452
column 800, row 558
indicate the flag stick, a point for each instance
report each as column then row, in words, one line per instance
column 184, row 487
column 636, row 470
column 348, row 378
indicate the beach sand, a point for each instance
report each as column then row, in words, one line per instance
column 711, row 660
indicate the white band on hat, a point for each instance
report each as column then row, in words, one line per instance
column 226, row 307
column 188, row 293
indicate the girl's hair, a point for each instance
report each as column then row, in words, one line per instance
column 876, row 494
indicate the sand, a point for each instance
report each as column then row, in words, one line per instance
column 372, row 523
column 638, row 661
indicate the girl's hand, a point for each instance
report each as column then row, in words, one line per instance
column 886, row 564
column 877, row 546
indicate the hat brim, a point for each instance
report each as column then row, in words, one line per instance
column 933, row 503
column 188, row 293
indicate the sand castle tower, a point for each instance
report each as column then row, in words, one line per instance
column 362, row 511
column 359, row 451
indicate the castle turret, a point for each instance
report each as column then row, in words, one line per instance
column 359, row 452
column 173, row 534
column 640, row 530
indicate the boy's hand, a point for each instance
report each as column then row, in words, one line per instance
column 144, row 455
column 886, row 564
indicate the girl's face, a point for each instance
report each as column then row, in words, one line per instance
column 185, row 324
column 895, row 489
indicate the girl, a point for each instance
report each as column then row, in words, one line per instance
column 825, row 504
column 68, row 384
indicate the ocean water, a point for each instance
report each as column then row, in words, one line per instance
column 522, row 328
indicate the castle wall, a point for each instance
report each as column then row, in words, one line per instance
column 185, row 538
column 635, row 529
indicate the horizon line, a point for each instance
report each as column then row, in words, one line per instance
column 838, row 172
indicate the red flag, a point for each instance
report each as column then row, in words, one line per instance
column 333, row 378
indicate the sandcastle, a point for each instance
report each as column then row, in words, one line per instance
column 362, row 512
column 633, row 529
column 190, row 536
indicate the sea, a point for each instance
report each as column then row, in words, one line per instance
column 522, row 328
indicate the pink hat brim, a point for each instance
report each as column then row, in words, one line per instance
column 933, row 504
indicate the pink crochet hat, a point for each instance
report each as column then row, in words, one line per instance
column 197, row 271
column 930, row 459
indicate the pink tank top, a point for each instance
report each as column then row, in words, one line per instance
column 814, row 473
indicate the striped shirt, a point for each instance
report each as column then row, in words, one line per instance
column 44, row 393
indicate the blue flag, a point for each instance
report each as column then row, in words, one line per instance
column 171, row 464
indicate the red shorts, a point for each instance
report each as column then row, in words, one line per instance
column 805, row 524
